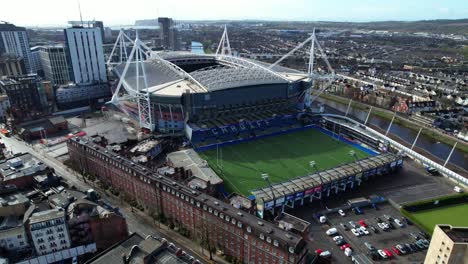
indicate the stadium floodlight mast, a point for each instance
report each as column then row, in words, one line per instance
column 313, row 165
column 266, row 178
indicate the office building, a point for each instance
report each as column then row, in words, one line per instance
column 54, row 63
column 23, row 95
column 49, row 231
column 14, row 40
column 36, row 61
column 11, row 65
column 449, row 245
column 169, row 35
column 85, row 52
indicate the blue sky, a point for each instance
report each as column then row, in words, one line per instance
column 114, row 12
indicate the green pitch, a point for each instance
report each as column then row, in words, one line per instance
column 283, row 157
column 456, row 215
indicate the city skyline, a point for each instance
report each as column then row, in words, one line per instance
column 299, row 10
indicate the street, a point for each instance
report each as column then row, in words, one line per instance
column 136, row 220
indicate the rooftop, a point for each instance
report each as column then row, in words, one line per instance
column 13, row 200
column 138, row 250
column 165, row 76
column 20, row 166
column 456, row 234
column 47, row 215
column 190, row 160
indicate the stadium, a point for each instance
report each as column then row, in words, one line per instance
column 252, row 124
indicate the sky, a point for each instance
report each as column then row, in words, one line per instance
column 119, row 12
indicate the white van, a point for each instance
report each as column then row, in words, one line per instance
column 458, row 189
column 348, row 252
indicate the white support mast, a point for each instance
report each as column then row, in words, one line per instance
column 224, row 47
column 140, row 94
column 122, row 42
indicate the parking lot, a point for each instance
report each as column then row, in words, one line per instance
column 378, row 239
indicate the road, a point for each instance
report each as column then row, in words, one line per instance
column 136, row 220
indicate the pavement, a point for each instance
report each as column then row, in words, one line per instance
column 136, row 221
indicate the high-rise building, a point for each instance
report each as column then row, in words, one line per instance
column 168, row 34
column 54, row 63
column 11, row 65
column 36, row 60
column 85, row 52
column 449, row 245
column 14, row 40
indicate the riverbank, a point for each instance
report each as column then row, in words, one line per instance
column 387, row 114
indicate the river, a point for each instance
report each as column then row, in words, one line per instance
column 438, row 149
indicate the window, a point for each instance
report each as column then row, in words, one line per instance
column 249, row 229
column 262, row 236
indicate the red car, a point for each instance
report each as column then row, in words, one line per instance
column 318, row 251
column 388, row 252
column 394, row 249
column 362, row 223
column 345, row 246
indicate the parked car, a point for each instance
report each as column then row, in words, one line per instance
column 355, row 232
column 325, row 254
column 318, row 251
column 413, row 235
column 414, row 247
column 331, row 231
column 348, row 252
column 423, row 234
column 398, row 222
column 341, row 212
column 352, row 224
column 388, row 217
column 390, row 225
column 408, row 246
column 375, row 206
column 344, row 226
column 364, row 230
column 369, row 246
column 335, row 238
column 382, row 253
column 401, row 248
column 345, row 246
column 420, row 245
column 378, row 219
column 395, row 250
column 340, row 242
column 388, row 253
column 383, row 226
column 323, row 219
column 374, row 229
column 362, row 223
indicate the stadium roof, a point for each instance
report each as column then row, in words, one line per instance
column 229, row 72
column 313, row 180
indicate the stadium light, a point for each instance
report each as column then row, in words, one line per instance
column 313, row 164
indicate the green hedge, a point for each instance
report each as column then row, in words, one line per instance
column 443, row 201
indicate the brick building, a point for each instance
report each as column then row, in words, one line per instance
column 211, row 221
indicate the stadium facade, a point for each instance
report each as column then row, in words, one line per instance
column 201, row 94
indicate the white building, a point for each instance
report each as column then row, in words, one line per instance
column 12, row 233
column 14, row 40
column 84, row 43
column 49, row 231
